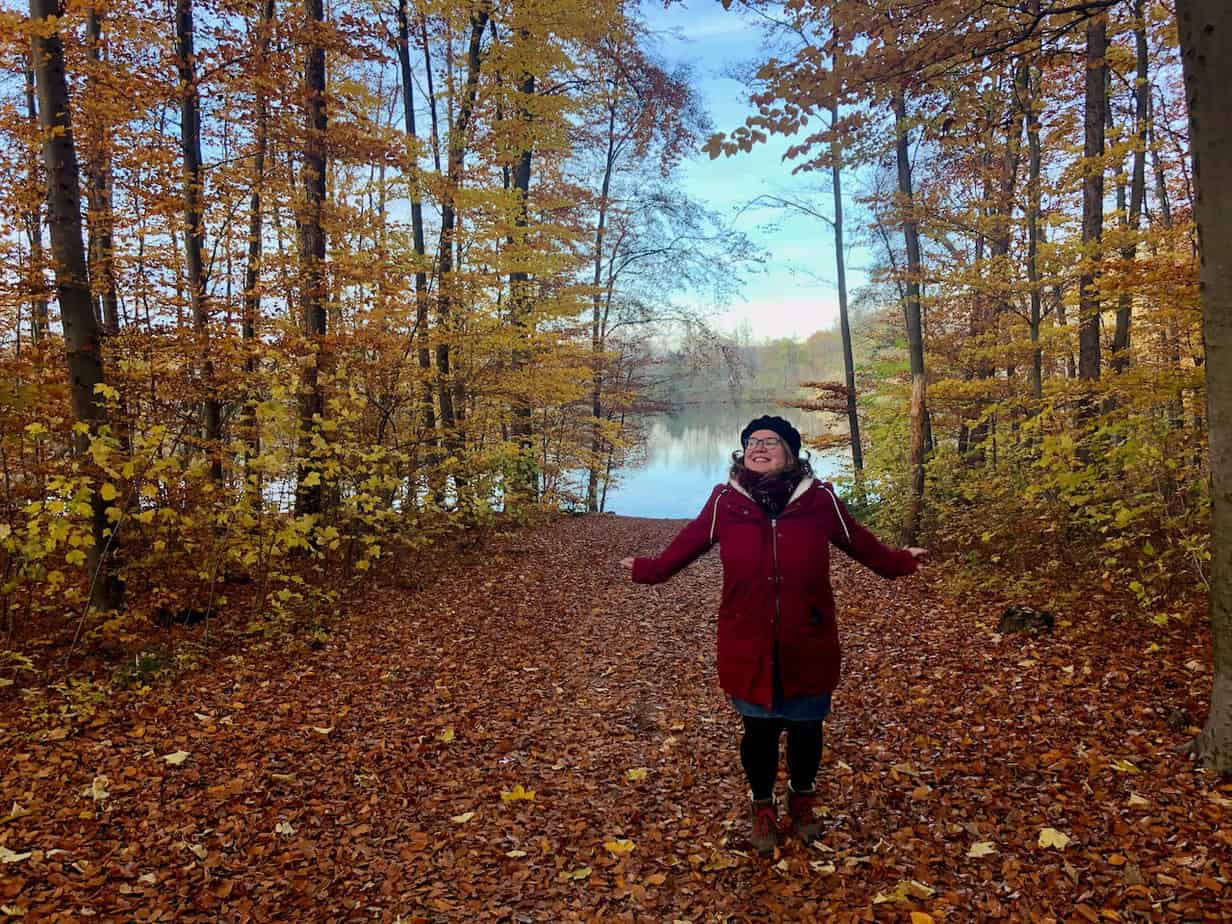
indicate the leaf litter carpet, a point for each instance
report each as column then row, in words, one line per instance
column 522, row 735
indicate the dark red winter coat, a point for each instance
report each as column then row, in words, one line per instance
column 776, row 585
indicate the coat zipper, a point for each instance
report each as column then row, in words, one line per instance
column 774, row 545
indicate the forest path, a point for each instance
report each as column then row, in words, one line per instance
column 364, row 780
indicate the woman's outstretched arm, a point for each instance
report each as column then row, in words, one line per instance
column 689, row 544
column 860, row 543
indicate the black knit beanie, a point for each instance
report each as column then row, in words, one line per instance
column 789, row 434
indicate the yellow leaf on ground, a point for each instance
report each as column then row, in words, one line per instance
column 1138, row 801
column 98, row 789
column 919, row 917
column 981, row 849
column 516, row 853
column 462, row 819
column 446, row 734
column 322, row 729
column 1124, row 766
column 175, row 758
column 11, row 856
column 580, row 873
column 636, row 774
column 1051, row 837
column 623, row 845
column 518, row 794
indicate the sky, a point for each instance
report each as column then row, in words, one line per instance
column 797, row 294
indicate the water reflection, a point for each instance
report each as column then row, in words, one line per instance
column 689, row 451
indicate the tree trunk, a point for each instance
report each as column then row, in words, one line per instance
column 98, row 187
column 252, row 269
column 34, row 227
column 596, row 318
column 1206, row 55
column 1036, row 374
column 521, row 299
column 427, row 407
column 915, row 331
column 81, row 330
column 1092, row 198
column 309, row 492
column 194, row 226
column 1137, row 187
column 447, row 298
column 849, row 367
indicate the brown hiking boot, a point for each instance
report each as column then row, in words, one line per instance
column 765, row 833
column 803, row 821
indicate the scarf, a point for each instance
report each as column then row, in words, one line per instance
column 772, row 490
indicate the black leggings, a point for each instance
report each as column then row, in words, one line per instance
column 759, row 753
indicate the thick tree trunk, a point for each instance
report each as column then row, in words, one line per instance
column 1092, row 198
column 194, row 225
column 914, row 318
column 309, row 493
column 1206, row 55
column 849, row 367
column 81, row 330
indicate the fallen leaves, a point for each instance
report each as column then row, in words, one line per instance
column 941, row 768
column 175, row 758
column 1051, row 837
column 12, row 856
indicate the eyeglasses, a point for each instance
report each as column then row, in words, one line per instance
column 770, row 442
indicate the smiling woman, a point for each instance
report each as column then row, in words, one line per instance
column 778, row 648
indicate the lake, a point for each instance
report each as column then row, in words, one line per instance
column 688, row 452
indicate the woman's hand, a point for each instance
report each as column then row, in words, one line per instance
column 917, row 553
column 627, row 564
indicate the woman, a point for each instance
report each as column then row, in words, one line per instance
column 778, row 649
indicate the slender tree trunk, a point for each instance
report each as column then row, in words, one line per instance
column 520, row 293
column 34, row 227
column 309, row 494
column 1137, row 187
column 427, row 407
column 1206, row 55
column 596, row 320
column 194, row 226
column 1092, row 198
column 914, row 317
column 447, row 298
column 1033, row 218
column 252, row 269
column 840, row 262
column 81, row 329
column 98, row 186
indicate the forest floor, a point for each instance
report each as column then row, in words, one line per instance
column 528, row 737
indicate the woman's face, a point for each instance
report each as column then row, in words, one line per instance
column 765, row 452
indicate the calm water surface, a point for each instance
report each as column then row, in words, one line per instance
column 689, row 452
